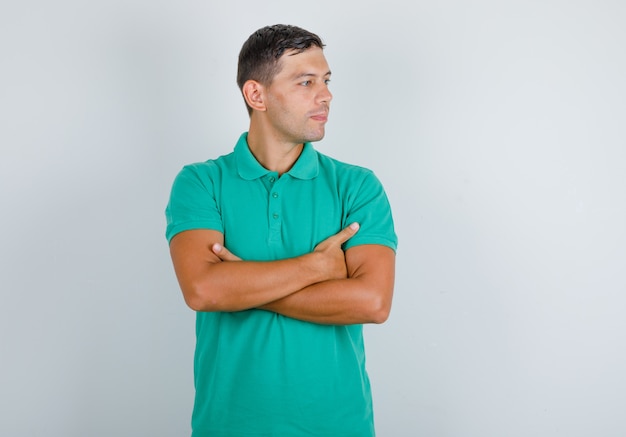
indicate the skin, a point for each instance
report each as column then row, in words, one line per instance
column 325, row 286
column 290, row 111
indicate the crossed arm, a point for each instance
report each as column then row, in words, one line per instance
column 325, row 286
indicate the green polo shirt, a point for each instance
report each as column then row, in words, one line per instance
column 258, row 373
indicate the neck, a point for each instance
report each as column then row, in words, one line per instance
column 273, row 153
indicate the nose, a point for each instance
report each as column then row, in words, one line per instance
column 324, row 95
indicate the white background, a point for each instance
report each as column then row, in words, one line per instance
column 497, row 128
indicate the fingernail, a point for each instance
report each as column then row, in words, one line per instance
column 354, row 226
column 217, row 247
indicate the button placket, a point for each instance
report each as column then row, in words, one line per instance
column 275, row 208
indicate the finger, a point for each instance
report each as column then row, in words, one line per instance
column 346, row 233
column 223, row 253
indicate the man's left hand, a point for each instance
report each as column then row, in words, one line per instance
column 223, row 253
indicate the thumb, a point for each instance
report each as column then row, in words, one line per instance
column 223, row 253
column 348, row 232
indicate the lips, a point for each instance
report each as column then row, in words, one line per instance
column 321, row 116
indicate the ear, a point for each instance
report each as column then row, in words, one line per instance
column 253, row 93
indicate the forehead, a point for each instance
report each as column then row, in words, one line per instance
column 310, row 61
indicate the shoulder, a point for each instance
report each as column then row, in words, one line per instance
column 346, row 172
column 352, row 181
column 210, row 165
column 206, row 170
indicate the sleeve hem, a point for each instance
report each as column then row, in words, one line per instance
column 393, row 245
column 188, row 226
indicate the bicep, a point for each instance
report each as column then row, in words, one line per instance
column 374, row 265
column 192, row 255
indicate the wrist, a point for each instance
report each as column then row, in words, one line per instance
column 314, row 265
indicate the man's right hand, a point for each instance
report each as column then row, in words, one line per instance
column 334, row 261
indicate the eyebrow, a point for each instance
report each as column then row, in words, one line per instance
column 302, row 75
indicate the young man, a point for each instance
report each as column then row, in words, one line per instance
column 284, row 253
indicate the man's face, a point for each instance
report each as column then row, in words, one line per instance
column 298, row 99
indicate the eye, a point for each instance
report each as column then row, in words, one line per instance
column 305, row 83
column 327, row 81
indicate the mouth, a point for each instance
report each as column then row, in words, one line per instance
column 320, row 116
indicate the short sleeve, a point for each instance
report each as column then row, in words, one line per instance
column 192, row 203
column 369, row 206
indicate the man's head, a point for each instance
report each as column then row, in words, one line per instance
column 259, row 58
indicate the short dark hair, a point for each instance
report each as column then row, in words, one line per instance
column 260, row 54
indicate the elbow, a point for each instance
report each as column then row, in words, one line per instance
column 380, row 316
column 199, row 297
column 379, row 311
column 194, row 303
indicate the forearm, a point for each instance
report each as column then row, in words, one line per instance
column 363, row 297
column 241, row 285
column 335, row 302
column 214, row 279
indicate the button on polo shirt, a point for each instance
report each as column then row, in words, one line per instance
column 281, row 374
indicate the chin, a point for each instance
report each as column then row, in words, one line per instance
column 314, row 137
